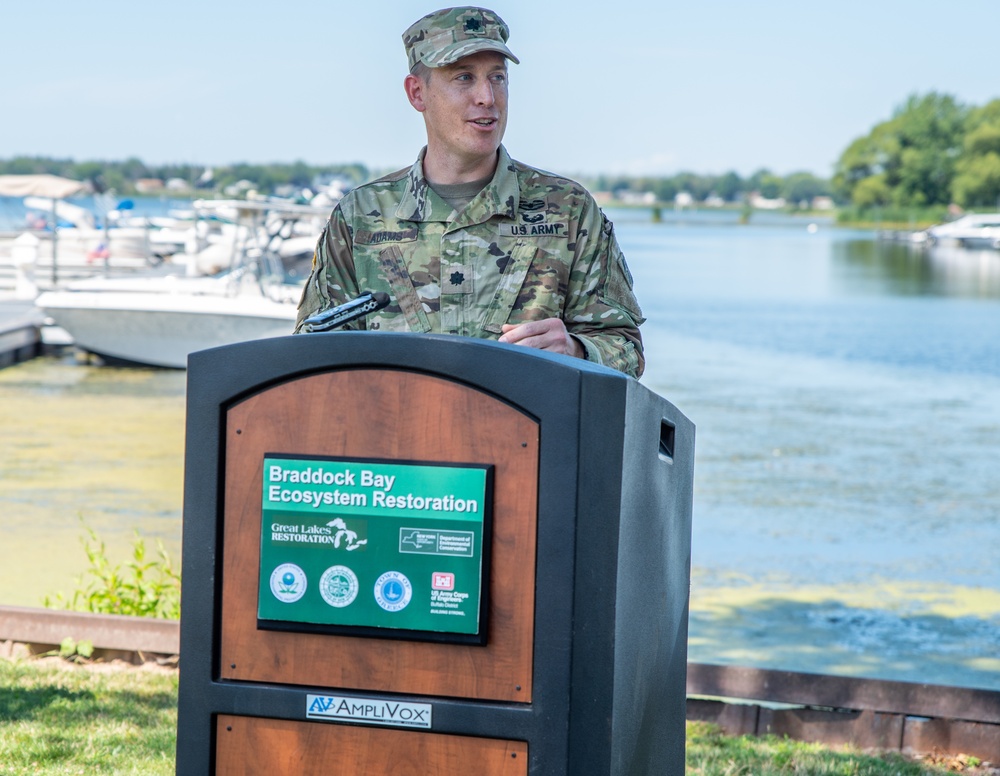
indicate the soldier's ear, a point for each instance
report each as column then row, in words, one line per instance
column 414, row 87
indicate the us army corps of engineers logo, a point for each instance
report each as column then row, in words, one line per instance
column 338, row 586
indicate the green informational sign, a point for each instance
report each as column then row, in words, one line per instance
column 357, row 546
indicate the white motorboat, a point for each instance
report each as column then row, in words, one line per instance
column 976, row 230
column 158, row 321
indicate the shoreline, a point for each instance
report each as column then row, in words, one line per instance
column 915, row 719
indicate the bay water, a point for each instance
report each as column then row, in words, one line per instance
column 846, row 393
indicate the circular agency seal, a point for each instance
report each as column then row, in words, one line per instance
column 338, row 586
column 288, row 583
column 393, row 591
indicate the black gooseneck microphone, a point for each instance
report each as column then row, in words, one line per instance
column 368, row 302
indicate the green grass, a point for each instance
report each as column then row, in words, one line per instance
column 898, row 218
column 60, row 718
column 710, row 753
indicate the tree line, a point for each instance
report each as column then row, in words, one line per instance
column 931, row 153
column 797, row 189
column 122, row 177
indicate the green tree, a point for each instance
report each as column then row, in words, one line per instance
column 912, row 156
column 872, row 192
column 931, row 130
column 132, row 169
column 977, row 171
column 864, row 158
column 698, row 186
column 766, row 183
column 729, row 186
column 803, row 187
column 665, row 189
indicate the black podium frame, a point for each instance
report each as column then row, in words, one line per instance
column 613, row 551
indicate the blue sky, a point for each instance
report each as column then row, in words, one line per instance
column 618, row 87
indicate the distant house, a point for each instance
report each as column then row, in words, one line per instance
column 148, row 185
column 178, row 184
column 822, row 203
column 683, row 199
column 637, row 197
column 763, row 203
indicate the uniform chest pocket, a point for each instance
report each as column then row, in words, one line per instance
column 392, row 272
column 533, row 284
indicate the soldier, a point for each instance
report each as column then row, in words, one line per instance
column 468, row 241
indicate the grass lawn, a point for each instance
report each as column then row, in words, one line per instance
column 61, row 718
column 710, row 753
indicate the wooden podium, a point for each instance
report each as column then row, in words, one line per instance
column 574, row 663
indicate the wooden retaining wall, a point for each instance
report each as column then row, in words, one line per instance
column 867, row 713
column 28, row 631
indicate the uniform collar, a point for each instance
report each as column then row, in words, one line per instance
column 500, row 197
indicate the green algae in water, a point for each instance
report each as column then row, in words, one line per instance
column 881, row 629
column 98, row 443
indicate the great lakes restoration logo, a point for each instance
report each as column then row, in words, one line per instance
column 288, row 583
column 336, row 533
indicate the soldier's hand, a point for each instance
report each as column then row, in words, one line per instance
column 547, row 334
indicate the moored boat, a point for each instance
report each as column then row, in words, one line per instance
column 976, row 230
column 158, row 321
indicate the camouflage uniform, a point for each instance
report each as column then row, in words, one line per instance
column 529, row 246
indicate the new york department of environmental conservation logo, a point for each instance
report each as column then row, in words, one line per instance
column 338, row 586
column 288, row 583
column 393, row 591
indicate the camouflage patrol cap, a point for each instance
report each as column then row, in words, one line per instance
column 445, row 36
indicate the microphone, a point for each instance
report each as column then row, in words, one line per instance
column 368, row 302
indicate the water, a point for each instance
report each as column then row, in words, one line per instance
column 13, row 213
column 85, row 446
column 847, row 399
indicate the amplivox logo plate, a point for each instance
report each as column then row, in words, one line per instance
column 368, row 711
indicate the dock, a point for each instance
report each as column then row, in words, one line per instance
column 20, row 330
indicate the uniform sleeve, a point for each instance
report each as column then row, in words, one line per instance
column 333, row 279
column 602, row 311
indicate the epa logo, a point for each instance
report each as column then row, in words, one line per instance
column 288, row 583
